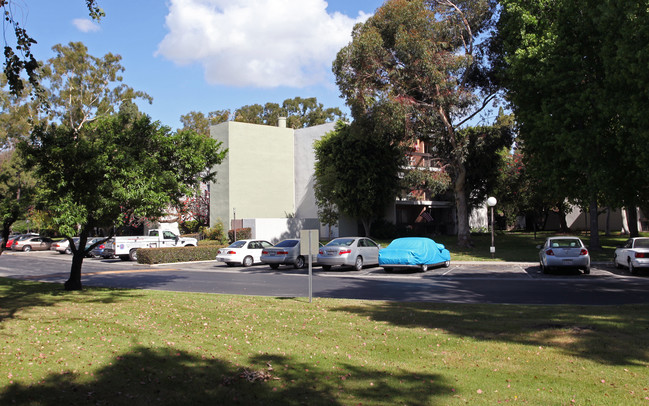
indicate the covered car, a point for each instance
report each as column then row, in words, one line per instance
column 413, row 252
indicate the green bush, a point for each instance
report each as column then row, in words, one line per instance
column 210, row 243
column 242, row 234
column 177, row 254
column 216, row 233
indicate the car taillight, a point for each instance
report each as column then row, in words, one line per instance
column 583, row 251
column 264, row 253
column 282, row 252
column 321, row 252
column 343, row 252
column 640, row 255
column 231, row 252
column 102, row 246
column 549, row 252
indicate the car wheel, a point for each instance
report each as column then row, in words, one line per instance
column 27, row 248
column 247, row 261
column 632, row 268
column 447, row 264
column 326, row 268
column 68, row 251
column 274, row 266
column 299, row 262
column 358, row 264
column 132, row 254
column 587, row 270
column 424, row 267
column 544, row 269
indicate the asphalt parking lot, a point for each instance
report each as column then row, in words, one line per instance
column 33, row 262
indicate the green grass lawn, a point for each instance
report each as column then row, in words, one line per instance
column 133, row 347
column 519, row 246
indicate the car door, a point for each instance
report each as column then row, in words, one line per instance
column 626, row 251
column 369, row 250
column 168, row 239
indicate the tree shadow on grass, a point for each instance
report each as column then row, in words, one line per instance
column 613, row 335
column 166, row 376
column 16, row 295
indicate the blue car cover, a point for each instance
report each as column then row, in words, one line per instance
column 413, row 251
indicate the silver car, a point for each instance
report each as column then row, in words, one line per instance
column 633, row 254
column 349, row 251
column 286, row 252
column 564, row 252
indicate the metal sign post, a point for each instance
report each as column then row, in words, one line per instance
column 309, row 246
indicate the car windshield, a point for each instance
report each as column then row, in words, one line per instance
column 565, row 243
column 341, row 242
column 287, row 243
column 238, row 244
column 642, row 243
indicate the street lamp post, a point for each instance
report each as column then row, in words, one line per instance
column 491, row 202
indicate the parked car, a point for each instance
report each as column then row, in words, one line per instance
column 244, row 252
column 286, row 252
column 89, row 242
column 349, row 251
column 32, row 243
column 63, row 246
column 10, row 241
column 564, row 252
column 100, row 251
column 413, row 252
column 633, row 254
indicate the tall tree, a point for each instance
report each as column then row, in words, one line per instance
column 425, row 56
column 18, row 56
column 357, row 173
column 113, row 168
column 557, row 60
column 198, row 122
column 299, row 112
column 17, row 115
column 82, row 87
column 16, row 191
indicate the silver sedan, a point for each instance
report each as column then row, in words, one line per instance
column 286, row 252
column 349, row 251
column 564, row 252
column 633, row 254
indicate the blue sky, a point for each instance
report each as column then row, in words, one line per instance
column 206, row 55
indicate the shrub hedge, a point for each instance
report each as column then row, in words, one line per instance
column 177, row 254
column 242, row 234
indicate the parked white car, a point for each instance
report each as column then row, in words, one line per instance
column 63, row 246
column 633, row 254
column 244, row 252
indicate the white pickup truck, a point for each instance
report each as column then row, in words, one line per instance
column 126, row 247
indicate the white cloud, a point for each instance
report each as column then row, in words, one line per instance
column 262, row 43
column 85, row 25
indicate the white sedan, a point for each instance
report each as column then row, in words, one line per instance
column 633, row 254
column 244, row 252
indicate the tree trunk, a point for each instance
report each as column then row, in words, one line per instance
column 594, row 227
column 625, row 223
column 78, row 254
column 461, row 207
column 608, row 222
column 563, row 224
column 367, row 225
column 632, row 220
